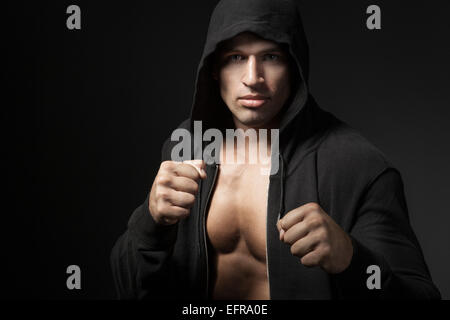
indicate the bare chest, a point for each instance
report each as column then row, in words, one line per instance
column 236, row 221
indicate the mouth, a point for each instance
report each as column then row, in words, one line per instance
column 253, row 101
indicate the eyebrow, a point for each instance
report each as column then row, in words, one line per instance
column 267, row 50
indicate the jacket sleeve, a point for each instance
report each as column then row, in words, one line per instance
column 139, row 258
column 382, row 236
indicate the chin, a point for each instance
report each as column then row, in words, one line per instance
column 254, row 122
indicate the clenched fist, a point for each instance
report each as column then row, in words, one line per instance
column 174, row 190
column 316, row 239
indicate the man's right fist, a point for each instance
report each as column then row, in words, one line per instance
column 174, row 190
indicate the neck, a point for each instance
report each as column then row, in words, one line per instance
column 254, row 147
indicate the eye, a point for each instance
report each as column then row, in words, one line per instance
column 271, row 57
column 235, row 58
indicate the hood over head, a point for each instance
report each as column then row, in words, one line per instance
column 277, row 21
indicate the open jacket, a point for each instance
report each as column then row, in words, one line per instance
column 321, row 159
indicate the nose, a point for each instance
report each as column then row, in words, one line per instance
column 252, row 74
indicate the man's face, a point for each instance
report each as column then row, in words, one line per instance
column 253, row 75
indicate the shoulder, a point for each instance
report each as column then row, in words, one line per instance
column 348, row 145
column 347, row 154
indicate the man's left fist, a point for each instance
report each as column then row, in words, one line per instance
column 316, row 239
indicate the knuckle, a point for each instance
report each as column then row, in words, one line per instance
column 190, row 199
column 291, row 240
column 321, row 260
column 309, row 261
column 293, row 250
column 317, row 260
column 326, row 250
column 160, row 207
column 191, row 185
column 287, row 238
column 166, row 165
column 322, row 235
column 313, row 206
column 195, row 187
column 162, row 179
column 315, row 222
column 305, row 262
column 162, row 194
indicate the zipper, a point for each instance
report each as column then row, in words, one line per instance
column 267, row 227
column 204, row 230
column 278, row 218
column 267, row 242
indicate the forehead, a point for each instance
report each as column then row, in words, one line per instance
column 248, row 41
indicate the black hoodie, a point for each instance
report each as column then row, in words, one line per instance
column 321, row 159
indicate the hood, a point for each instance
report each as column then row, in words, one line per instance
column 278, row 21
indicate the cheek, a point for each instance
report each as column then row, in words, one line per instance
column 279, row 82
column 227, row 82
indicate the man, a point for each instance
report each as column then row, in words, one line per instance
column 334, row 209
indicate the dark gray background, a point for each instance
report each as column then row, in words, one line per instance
column 86, row 112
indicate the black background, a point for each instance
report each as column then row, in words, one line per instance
column 85, row 113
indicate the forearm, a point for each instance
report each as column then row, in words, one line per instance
column 398, row 283
column 139, row 259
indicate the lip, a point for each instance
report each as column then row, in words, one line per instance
column 253, row 101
